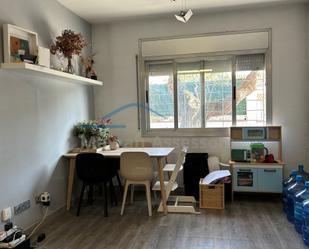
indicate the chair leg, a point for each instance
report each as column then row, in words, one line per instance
column 155, row 197
column 100, row 190
column 169, row 175
column 148, row 195
column 124, row 197
column 105, row 199
column 113, row 194
column 81, row 199
column 132, row 194
column 90, row 195
column 119, row 183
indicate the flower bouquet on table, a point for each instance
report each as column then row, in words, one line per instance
column 93, row 135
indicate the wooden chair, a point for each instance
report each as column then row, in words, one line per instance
column 171, row 185
column 136, row 169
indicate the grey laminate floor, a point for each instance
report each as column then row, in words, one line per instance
column 246, row 224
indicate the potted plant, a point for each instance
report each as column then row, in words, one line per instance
column 68, row 44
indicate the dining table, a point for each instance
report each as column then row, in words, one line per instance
column 157, row 153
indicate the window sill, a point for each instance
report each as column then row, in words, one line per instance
column 197, row 132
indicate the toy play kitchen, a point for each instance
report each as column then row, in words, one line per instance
column 253, row 168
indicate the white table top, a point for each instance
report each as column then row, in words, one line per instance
column 151, row 151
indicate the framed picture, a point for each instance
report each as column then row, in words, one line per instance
column 19, row 44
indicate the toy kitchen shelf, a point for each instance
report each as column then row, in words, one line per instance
column 49, row 73
column 257, row 176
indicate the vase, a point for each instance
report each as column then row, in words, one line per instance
column 70, row 68
column 83, row 141
column 92, row 143
column 88, row 142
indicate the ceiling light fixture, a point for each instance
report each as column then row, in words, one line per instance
column 184, row 16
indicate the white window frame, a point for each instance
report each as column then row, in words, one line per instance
column 144, row 121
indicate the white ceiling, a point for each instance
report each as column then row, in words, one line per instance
column 96, row 11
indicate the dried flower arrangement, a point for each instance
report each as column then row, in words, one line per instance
column 88, row 66
column 68, row 44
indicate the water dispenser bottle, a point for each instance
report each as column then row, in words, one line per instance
column 292, row 190
column 286, row 183
column 305, row 229
column 302, row 172
column 298, row 207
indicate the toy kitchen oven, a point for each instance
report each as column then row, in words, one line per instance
column 256, row 159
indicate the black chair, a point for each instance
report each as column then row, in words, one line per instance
column 93, row 169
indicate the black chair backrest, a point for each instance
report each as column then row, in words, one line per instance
column 93, row 168
column 195, row 168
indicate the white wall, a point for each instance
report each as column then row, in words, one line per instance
column 117, row 45
column 37, row 114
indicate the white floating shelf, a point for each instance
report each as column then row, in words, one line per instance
column 50, row 73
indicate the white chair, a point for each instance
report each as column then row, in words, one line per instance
column 136, row 169
column 182, row 204
column 140, row 144
column 170, row 167
column 215, row 164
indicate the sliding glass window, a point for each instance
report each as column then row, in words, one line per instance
column 218, row 92
column 161, row 96
column 189, row 92
column 206, row 92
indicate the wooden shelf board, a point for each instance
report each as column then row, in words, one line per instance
column 51, row 73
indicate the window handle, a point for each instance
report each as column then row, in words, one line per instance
column 147, row 97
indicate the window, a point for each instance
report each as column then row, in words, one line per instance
column 206, row 92
column 161, row 97
column 250, row 90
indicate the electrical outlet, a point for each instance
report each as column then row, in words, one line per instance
column 6, row 214
column 22, row 207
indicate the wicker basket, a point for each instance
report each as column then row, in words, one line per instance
column 211, row 196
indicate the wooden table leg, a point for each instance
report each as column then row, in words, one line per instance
column 71, row 173
column 162, row 186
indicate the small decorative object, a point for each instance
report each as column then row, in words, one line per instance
column 44, row 57
column 28, row 58
column 92, row 134
column 68, row 44
column 19, row 44
column 88, row 65
column 113, row 142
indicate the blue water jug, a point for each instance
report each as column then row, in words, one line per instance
column 298, row 207
column 305, row 229
column 286, row 183
column 292, row 190
column 302, row 172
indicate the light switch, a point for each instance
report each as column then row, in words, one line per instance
column 6, row 214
